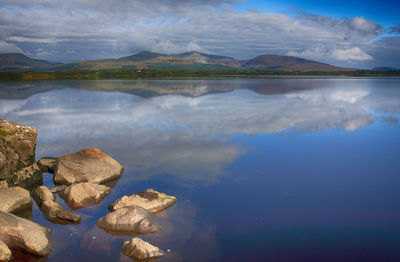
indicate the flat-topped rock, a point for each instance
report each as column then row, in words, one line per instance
column 128, row 221
column 150, row 200
column 15, row 200
column 138, row 249
column 47, row 164
column 23, row 234
column 87, row 165
column 53, row 211
column 5, row 252
column 84, row 194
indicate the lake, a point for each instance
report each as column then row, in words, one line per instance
column 269, row 169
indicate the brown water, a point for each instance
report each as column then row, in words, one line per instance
column 292, row 169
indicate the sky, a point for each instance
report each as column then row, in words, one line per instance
column 348, row 33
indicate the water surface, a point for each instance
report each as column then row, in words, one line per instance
column 287, row 169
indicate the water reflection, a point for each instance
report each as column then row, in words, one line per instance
column 190, row 137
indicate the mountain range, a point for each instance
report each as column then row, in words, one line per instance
column 156, row 61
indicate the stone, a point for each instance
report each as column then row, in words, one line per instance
column 53, row 211
column 151, row 200
column 17, row 156
column 5, row 252
column 21, row 233
column 58, row 189
column 28, row 177
column 15, row 200
column 84, row 194
column 47, row 164
column 139, row 249
column 128, row 221
column 87, row 165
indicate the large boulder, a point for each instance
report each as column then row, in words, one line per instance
column 5, row 252
column 15, row 200
column 138, row 249
column 53, row 211
column 17, row 155
column 84, row 194
column 87, row 165
column 128, row 221
column 151, row 200
column 21, row 233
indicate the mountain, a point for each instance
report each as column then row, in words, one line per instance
column 385, row 69
column 15, row 61
column 288, row 63
column 191, row 61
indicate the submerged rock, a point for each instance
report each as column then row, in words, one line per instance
column 53, row 211
column 150, row 200
column 128, row 221
column 17, row 155
column 84, row 194
column 139, row 249
column 5, row 252
column 21, row 233
column 47, row 164
column 87, row 165
column 15, row 200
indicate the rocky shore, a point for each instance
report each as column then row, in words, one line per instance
column 81, row 180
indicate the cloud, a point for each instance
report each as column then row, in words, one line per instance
column 110, row 29
column 9, row 48
column 395, row 29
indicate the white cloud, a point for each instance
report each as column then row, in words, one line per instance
column 9, row 48
column 351, row 54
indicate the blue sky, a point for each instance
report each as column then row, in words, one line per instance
column 362, row 34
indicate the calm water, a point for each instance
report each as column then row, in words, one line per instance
column 298, row 169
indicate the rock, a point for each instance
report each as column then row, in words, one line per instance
column 15, row 200
column 28, row 177
column 58, row 189
column 128, row 221
column 47, row 164
column 17, row 156
column 84, row 194
column 53, row 211
column 21, row 233
column 139, row 249
column 88, row 165
column 150, row 200
column 5, row 252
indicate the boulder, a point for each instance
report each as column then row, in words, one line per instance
column 84, row 194
column 5, row 252
column 151, row 200
column 128, row 221
column 47, row 164
column 53, row 211
column 17, row 155
column 15, row 200
column 58, row 189
column 21, row 233
column 87, row 165
column 139, row 249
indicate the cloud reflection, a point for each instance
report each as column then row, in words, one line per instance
column 189, row 137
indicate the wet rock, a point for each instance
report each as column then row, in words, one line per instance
column 53, row 211
column 88, row 165
column 150, row 200
column 17, row 155
column 47, row 164
column 58, row 189
column 5, row 252
column 128, row 221
column 84, row 194
column 15, row 200
column 21, row 233
column 139, row 249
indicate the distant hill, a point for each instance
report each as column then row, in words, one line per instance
column 384, row 69
column 288, row 63
column 190, row 61
column 15, row 61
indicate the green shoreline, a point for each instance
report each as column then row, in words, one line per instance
column 139, row 74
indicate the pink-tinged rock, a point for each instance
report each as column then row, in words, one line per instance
column 84, row 194
column 140, row 250
column 87, row 165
